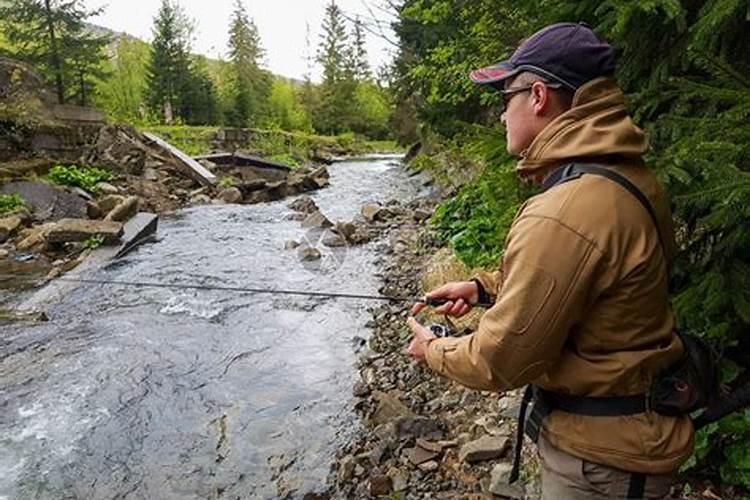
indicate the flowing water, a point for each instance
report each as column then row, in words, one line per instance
column 159, row 393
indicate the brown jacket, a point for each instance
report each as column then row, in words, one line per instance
column 582, row 303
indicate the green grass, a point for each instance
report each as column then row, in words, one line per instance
column 10, row 203
column 83, row 177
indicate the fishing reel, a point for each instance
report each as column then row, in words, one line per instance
column 440, row 330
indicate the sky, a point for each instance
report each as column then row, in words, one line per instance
column 281, row 23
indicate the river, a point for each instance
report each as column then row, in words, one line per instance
column 157, row 393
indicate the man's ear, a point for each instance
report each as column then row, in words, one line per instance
column 540, row 98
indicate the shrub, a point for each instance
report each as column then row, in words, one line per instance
column 10, row 202
column 85, row 178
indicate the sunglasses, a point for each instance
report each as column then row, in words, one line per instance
column 509, row 93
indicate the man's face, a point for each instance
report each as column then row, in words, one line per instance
column 519, row 117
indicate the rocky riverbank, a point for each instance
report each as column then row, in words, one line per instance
column 422, row 436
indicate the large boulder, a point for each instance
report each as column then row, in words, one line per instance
column 304, row 204
column 70, row 230
column 230, row 195
column 48, row 202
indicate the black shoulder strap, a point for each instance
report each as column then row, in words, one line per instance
column 576, row 170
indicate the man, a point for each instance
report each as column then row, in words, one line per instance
column 581, row 307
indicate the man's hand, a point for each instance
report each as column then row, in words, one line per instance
column 461, row 296
column 422, row 336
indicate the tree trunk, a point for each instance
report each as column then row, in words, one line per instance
column 54, row 54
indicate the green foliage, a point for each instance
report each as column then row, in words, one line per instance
column 286, row 111
column 193, row 141
column 10, row 203
column 684, row 67
column 122, row 94
column 94, row 242
column 86, row 178
column 250, row 84
column 52, row 35
column 227, row 182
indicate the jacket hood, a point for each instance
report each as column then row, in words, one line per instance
column 596, row 127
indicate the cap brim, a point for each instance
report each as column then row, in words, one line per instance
column 493, row 74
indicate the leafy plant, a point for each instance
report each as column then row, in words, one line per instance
column 85, row 178
column 227, row 182
column 10, row 203
column 94, row 242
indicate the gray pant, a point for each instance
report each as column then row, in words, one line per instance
column 565, row 477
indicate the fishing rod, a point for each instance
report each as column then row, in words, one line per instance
column 235, row 289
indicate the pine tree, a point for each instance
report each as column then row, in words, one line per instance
column 358, row 64
column 168, row 70
column 251, row 83
column 338, row 88
column 52, row 36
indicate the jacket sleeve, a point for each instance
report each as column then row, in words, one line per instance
column 491, row 282
column 548, row 274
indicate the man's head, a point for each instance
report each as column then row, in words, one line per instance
column 540, row 78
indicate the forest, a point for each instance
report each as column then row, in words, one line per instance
column 684, row 65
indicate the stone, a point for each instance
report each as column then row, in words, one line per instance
column 107, row 203
column 413, row 427
column 201, row 199
column 429, row 445
column 499, row 482
column 334, row 241
column 68, row 230
column 421, row 215
column 4, row 254
column 399, row 480
column 346, row 469
column 500, row 473
column 150, row 174
column 8, row 226
column 308, row 253
column 380, row 484
column 33, row 239
column 93, row 210
column 370, row 211
column 484, row 448
column 304, row 204
column 389, row 408
column 230, row 195
column 345, row 229
column 430, row 466
column 419, row 455
column 291, row 245
column 125, row 210
column 48, row 202
column 106, row 188
column 316, row 220
column 360, row 390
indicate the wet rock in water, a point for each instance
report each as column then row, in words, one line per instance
column 8, row 226
column 125, row 210
column 345, row 229
column 230, row 195
column 304, row 204
column 316, row 220
column 380, row 484
column 106, row 188
column 389, row 408
column 484, row 448
column 334, row 241
column 316, row 496
column 308, row 253
column 372, row 212
column 291, row 245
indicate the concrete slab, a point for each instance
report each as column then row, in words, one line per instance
column 192, row 168
column 49, row 203
column 137, row 231
column 239, row 159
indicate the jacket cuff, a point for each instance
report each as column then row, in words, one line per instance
column 484, row 298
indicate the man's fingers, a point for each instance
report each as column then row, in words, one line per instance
column 457, row 307
column 417, row 308
column 445, row 308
